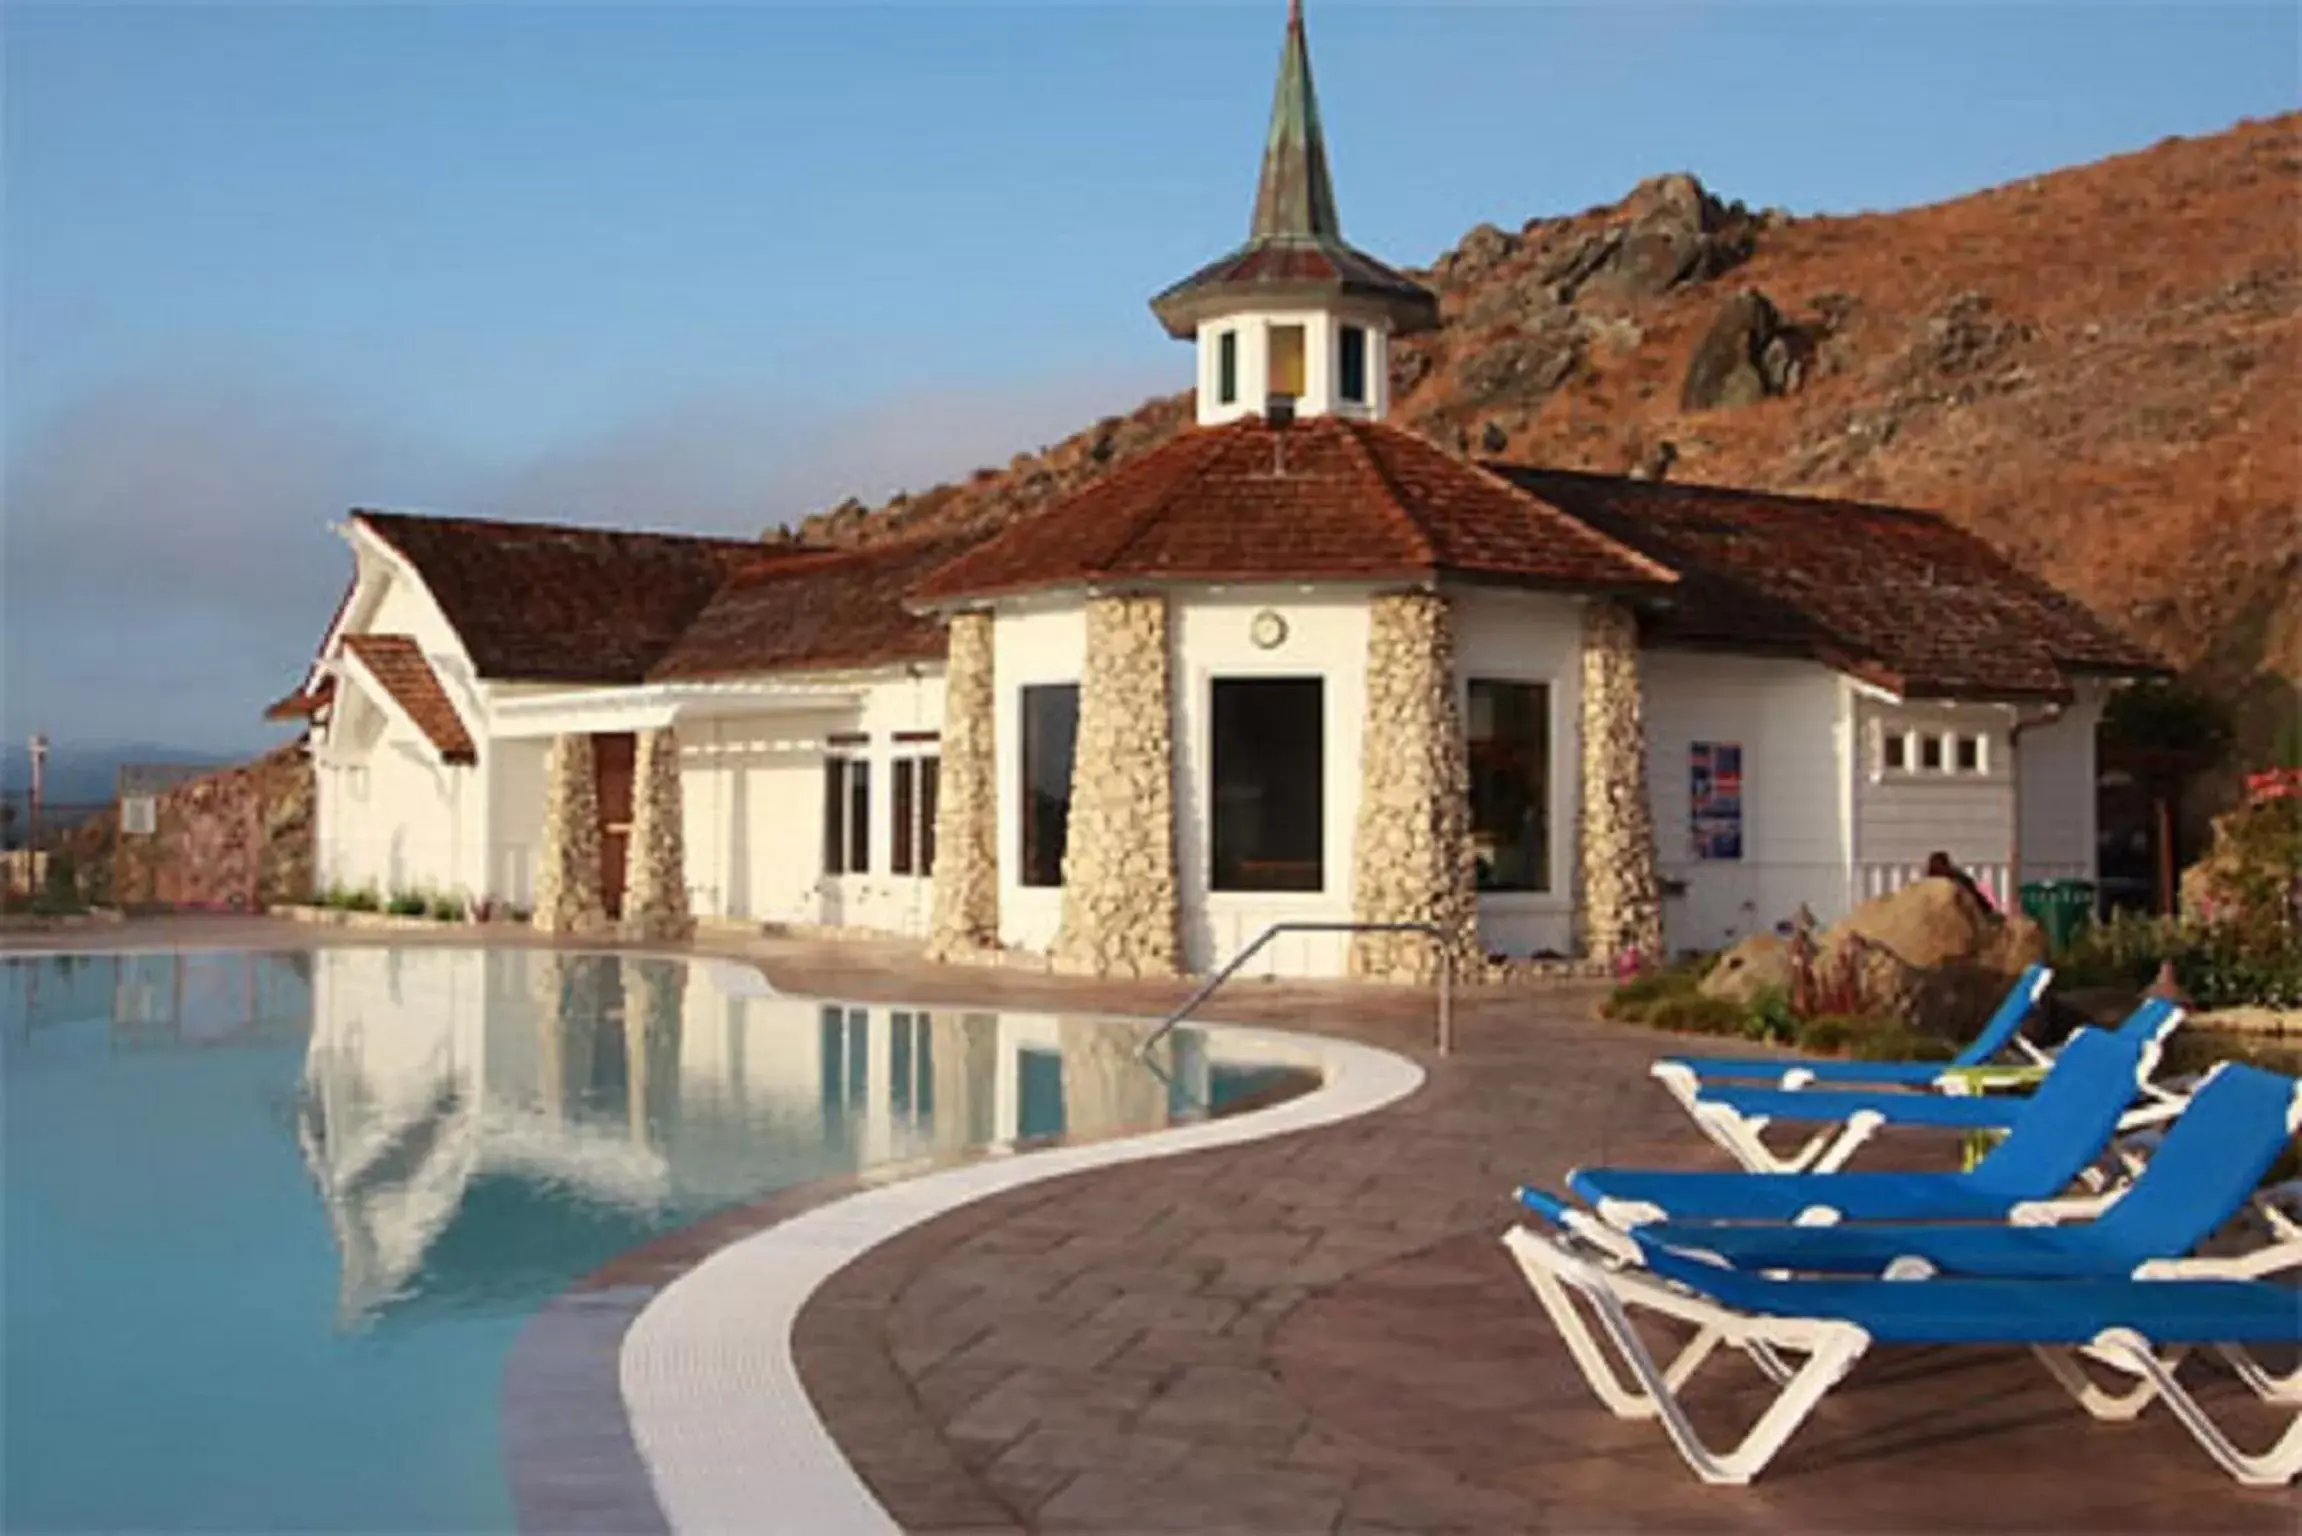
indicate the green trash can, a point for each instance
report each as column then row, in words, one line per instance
column 2061, row 907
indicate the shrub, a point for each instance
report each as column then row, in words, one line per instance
column 364, row 899
column 407, row 904
column 1690, row 1013
column 1632, row 1001
column 1770, row 1017
column 446, row 909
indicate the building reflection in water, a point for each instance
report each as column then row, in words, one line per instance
column 478, row 1118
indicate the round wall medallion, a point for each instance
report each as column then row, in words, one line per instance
column 1268, row 631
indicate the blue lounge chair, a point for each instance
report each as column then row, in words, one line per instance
column 2123, row 1324
column 2062, row 1128
column 1736, row 1116
column 2003, row 1028
column 2205, row 1169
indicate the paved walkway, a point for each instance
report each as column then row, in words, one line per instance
column 1322, row 1334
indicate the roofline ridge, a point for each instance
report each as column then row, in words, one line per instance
column 470, row 520
column 1667, row 574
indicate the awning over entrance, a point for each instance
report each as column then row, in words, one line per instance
column 653, row 706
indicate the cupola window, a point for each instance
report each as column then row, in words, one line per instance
column 1287, row 370
column 1227, row 368
column 1351, row 365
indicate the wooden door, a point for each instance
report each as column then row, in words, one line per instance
column 613, row 758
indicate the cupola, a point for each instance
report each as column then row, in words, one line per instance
column 1295, row 321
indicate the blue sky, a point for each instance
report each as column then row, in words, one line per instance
column 714, row 266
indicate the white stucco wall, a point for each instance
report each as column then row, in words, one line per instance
column 1326, row 637
column 1530, row 637
column 515, row 774
column 1902, row 816
column 2055, row 789
column 1794, row 723
column 752, row 793
column 1030, row 643
column 392, row 816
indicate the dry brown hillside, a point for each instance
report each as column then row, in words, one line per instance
column 2099, row 369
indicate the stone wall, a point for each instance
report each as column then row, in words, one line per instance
column 1411, row 860
column 965, row 919
column 238, row 839
column 1121, row 915
column 1621, row 897
column 655, row 863
column 568, row 897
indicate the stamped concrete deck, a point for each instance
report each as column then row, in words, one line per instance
column 1321, row 1333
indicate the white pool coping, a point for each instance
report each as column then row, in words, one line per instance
column 711, row 1388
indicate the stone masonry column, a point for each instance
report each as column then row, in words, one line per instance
column 1622, row 897
column 655, row 862
column 1121, row 915
column 1411, row 860
column 966, row 875
column 568, row 897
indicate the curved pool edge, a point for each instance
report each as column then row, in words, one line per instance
column 711, row 1390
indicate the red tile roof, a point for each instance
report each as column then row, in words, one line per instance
column 398, row 663
column 303, row 703
column 536, row 602
column 1318, row 499
column 819, row 612
column 1898, row 597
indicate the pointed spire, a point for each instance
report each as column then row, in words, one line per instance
column 1295, row 200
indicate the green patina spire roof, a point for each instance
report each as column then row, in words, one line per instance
column 1295, row 254
column 1295, row 200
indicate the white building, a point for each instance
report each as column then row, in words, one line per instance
column 1296, row 665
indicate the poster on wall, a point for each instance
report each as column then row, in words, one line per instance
column 1715, row 778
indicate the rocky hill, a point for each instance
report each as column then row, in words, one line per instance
column 2098, row 369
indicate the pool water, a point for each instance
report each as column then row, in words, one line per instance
column 270, row 1222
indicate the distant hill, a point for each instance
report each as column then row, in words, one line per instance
column 2096, row 369
column 85, row 773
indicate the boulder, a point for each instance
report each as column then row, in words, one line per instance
column 1731, row 365
column 1938, row 921
column 1758, row 963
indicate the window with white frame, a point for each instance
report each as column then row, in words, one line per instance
column 1913, row 749
column 846, row 814
column 912, row 796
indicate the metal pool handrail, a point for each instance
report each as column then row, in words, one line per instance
column 1431, row 931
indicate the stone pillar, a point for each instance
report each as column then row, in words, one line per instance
column 1411, row 860
column 655, row 859
column 966, row 873
column 1120, row 911
column 568, row 897
column 1622, row 909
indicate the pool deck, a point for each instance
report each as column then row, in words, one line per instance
column 1315, row 1333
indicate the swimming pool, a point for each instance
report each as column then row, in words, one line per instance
column 271, row 1222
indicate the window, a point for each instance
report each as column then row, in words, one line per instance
column 1351, row 365
column 1286, row 343
column 1509, row 737
column 1269, row 772
column 1227, row 368
column 846, row 815
column 1969, row 753
column 1897, row 752
column 1050, row 732
column 1930, row 753
column 912, row 805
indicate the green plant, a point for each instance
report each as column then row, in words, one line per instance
column 446, row 909
column 1693, row 1014
column 364, row 899
column 1770, row 1017
column 407, row 904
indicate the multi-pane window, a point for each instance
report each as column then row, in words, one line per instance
column 1050, row 734
column 912, row 808
column 1509, row 737
column 1227, row 367
column 846, row 815
column 1910, row 748
column 1351, row 364
column 1288, row 371
column 1269, row 779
